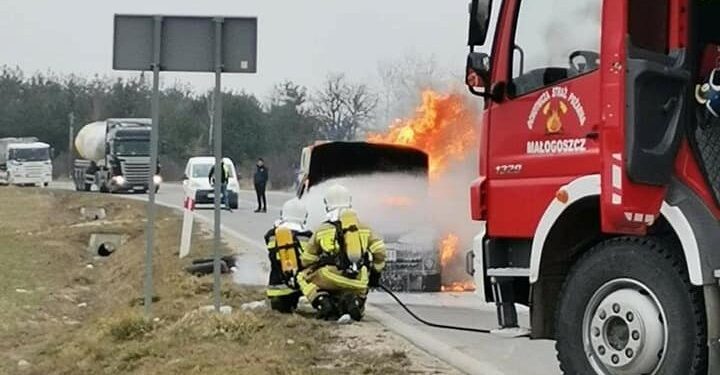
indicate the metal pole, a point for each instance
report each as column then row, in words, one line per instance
column 217, row 128
column 71, row 137
column 154, row 135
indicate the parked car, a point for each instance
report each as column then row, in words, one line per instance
column 196, row 183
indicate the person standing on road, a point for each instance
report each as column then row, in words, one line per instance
column 223, row 184
column 260, row 179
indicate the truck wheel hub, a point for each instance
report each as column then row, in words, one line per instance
column 624, row 329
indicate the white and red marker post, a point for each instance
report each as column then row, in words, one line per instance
column 188, row 218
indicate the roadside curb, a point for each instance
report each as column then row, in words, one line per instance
column 432, row 346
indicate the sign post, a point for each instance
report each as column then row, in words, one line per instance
column 71, row 142
column 184, row 44
column 219, row 167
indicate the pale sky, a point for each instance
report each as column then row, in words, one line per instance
column 301, row 40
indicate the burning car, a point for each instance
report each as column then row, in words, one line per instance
column 390, row 191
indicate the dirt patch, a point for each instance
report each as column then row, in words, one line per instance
column 64, row 311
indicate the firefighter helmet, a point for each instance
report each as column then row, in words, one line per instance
column 294, row 211
column 337, row 196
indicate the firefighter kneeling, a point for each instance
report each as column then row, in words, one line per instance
column 342, row 259
column 285, row 243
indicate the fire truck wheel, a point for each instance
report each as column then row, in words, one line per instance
column 627, row 307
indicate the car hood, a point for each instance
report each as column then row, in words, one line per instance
column 204, row 184
column 200, row 183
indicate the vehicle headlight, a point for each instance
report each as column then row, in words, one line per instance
column 157, row 179
column 120, row 180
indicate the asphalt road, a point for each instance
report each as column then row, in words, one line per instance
column 471, row 352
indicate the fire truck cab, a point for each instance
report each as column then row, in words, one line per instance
column 599, row 178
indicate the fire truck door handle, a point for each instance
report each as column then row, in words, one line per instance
column 469, row 263
column 670, row 105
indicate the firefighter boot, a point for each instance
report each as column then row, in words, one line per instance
column 284, row 304
column 353, row 305
column 323, row 304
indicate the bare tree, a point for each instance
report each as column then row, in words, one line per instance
column 343, row 108
column 288, row 92
column 402, row 82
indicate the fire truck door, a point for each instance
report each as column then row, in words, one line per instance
column 644, row 91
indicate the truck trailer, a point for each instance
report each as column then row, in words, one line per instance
column 115, row 157
column 25, row 161
column 599, row 178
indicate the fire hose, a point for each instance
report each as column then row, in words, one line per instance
column 412, row 314
column 423, row 321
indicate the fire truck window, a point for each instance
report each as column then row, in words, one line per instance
column 547, row 35
column 648, row 24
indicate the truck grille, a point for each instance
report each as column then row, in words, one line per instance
column 136, row 173
column 34, row 171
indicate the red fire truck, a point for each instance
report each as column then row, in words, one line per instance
column 599, row 184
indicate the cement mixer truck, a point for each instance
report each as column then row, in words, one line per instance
column 114, row 156
column 25, row 161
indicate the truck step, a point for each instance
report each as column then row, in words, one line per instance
column 508, row 272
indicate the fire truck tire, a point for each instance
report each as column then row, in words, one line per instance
column 627, row 307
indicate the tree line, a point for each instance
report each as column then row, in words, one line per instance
column 40, row 105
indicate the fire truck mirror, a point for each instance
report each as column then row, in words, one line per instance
column 477, row 73
column 479, row 21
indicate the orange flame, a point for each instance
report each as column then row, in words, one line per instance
column 443, row 126
column 449, row 256
column 448, row 249
column 459, row 286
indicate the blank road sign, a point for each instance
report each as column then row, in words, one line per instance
column 240, row 46
column 187, row 44
column 133, row 48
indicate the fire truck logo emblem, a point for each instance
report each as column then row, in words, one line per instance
column 553, row 112
column 554, row 104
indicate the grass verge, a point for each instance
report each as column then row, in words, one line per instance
column 64, row 310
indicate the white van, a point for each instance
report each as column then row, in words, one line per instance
column 196, row 183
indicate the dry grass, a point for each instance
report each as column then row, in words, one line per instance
column 65, row 318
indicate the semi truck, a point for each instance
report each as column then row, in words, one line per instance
column 115, row 157
column 599, row 178
column 25, row 161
